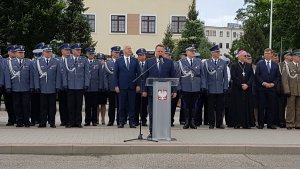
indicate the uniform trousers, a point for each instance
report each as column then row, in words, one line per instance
column 48, row 108
column 21, row 104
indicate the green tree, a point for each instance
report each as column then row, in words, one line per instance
column 193, row 34
column 74, row 27
column 167, row 41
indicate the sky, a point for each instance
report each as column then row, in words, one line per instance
column 218, row 12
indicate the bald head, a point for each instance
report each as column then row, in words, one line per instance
column 127, row 50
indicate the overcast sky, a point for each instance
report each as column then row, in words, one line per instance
column 218, row 12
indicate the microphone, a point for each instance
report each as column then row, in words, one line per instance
column 161, row 59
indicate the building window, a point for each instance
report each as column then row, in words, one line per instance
column 214, row 33
column 207, row 32
column 91, row 21
column 148, row 24
column 234, row 34
column 221, row 33
column 118, row 23
column 178, row 23
column 228, row 34
column 220, row 45
column 227, row 45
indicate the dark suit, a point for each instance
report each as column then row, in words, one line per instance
column 123, row 78
column 266, row 96
column 166, row 71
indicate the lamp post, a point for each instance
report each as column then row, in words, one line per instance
column 271, row 23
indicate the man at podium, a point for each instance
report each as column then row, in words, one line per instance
column 164, row 68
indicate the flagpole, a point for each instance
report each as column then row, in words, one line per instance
column 271, row 24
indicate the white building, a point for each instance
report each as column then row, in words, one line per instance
column 224, row 36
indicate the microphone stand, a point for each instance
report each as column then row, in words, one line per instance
column 140, row 136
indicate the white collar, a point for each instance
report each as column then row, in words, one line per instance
column 268, row 61
column 114, row 60
column 295, row 63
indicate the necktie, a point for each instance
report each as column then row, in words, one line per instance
column 47, row 60
column 20, row 62
column 191, row 62
column 142, row 65
column 127, row 63
column 91, row 62
column 215, row 62
column 268, row 66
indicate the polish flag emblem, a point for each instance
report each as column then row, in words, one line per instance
column 162, row 94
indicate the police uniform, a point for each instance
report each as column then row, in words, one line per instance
column 19, row 81
column 141, row 103
column 109, row 86
column 47, row 77
column 35, row 96
column 191, row 83
column 77, row 80
column 91, row 95
column 8, row 96
column 215, row 72
column 291, row 87
column 62, row 94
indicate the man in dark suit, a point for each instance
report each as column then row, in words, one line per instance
column 267, row 77
column 162, row 69
column 126, row 69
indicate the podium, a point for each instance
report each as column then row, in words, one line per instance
column 161, row 124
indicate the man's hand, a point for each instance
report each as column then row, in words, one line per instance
column 174, row 95
column 144, row 94
column 117, row 90
column 138, row 89
column 245, row 86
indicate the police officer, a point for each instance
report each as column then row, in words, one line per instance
column 62, row 94
column 35, row 96
column 291, row 87
column 77, row 80
column 141, row 102
column 215, row 71
column 19, row 81
column 91, row 95
column 47, row 83
column 191, row 83
column 102, row 95
column 109, row 86
column 11, row 52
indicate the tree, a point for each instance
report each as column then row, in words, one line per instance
column 74, row 27
column 168, row 42
column 193, row 34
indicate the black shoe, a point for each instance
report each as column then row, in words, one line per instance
column 94, row 124
column 132, row 126
column 271, row 127
column 42, row 126
column 121, row 126
column 78, row 126
column 110, row 124
column 237, row 127
column 27, row 125
column 260, row 127
column 87, row 124
column 211, row 126
column 52, row 126
column 68, row 126
column 289, row 128
column 144, row 124
column 186, row 126
column 32, row 124
column 172, row 125
column 63, row 124
column 297, row 128
column 282, row 126
column 220, row 127
column 193, row 126
column 10, row 124
column 20, row 125
column 149, row 137
column 182, row 123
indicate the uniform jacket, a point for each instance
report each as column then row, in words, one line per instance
column 291, row 79
column 95, row 70
column 108, row 73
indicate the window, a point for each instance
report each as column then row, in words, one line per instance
column 214, row 33
column 227, row 45
column 221, row 33
column 91, row 21
column 207, row 32
column 178, row 23
column 148, row 24
column 228, row 34
column 234, row 34
column 220, row 45
column 118, row 23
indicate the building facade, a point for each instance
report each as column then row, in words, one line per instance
column 139, row 23
column 224, row 36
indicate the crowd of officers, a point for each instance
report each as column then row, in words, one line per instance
column 248, row 94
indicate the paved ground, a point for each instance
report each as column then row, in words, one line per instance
column 109, row 140
column 149, row 161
